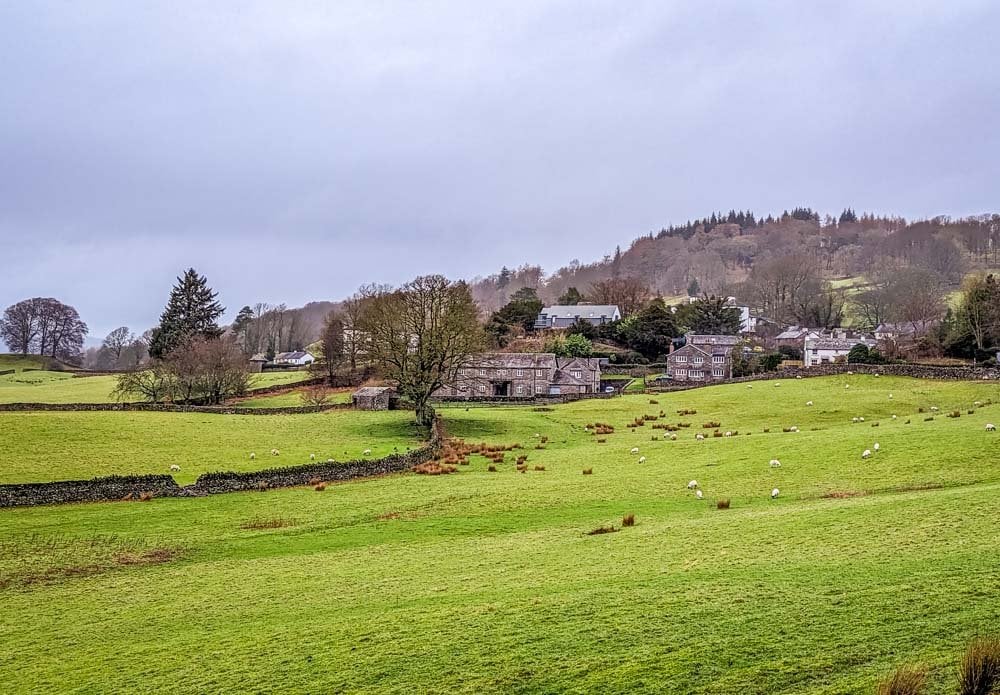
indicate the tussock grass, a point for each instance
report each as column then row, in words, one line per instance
column 909, row 679
column 979, row 671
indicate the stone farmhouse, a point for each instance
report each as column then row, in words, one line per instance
column 524, row 375
column 826, row 350
column 566, row 316
column 703, row 358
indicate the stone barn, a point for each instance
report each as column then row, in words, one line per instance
column 375, row 398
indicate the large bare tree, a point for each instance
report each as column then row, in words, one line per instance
column 421, row 335
column 629, row 294
column 44, row 326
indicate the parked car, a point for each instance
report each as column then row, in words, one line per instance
column 661, row 380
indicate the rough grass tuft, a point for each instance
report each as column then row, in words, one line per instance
column 491, row 468
column 260, row 523
column 588, row 471
column 979, row 672
column 908, row 679
column 722, row 503
column 628, row 520
column 602, row 530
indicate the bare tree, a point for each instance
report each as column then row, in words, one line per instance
column 152, row 383
column 116, row 341
column 331, row 347
column 629, row 294
column 44, row 326
column 918, row 298
column 421, row 335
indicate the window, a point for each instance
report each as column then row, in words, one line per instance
column 539, row 388
column 519, row 390
column 503, row 372
column 718, row 359
column 696, row 374
column 682, row 358
column 680, row 372
column 519, row 372
column 577, row 374
column 482, row 388
column 698, row 360
column 482, row 372
column 718, row 372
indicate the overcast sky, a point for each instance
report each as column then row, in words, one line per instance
column 292, row 151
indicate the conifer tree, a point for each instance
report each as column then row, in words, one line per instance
column 191, row 311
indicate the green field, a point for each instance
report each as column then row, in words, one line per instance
column 488, row 582
column 287, row 399
column 64, row 387
column 41, row 446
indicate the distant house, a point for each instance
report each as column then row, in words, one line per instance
column 375, row 398
column 794, row 335
column 298, row 358
column 898, row 332
column 257, row 362
column 566, row 316
column 703, row 358
column 524, row 375
column 826, row 350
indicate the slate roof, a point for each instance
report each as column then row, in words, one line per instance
column 586, row 311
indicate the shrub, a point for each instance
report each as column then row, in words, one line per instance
column 722, row 503
column 979, row 672
column 628, row 520
column 905, row 680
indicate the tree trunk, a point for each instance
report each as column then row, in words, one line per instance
column 425, row 413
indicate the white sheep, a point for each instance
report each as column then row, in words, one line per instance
column 642, row 459
column 367, row 452
column 866, row 453
column 774, row 493
column 861, row 419
column 809, row 402
column 699, row 437
column 671, row 437
column 275, row 452
column 252, row 456
column 990, row 427
column 312, row 457
column 775, row 463
column 698, row 494
column 977, row 403
column 692, row 485
column 850, row 373
column 777, row 384
column 890, row 396
column 175, row 467
column 729, row 434
column 854, row 419
column 934, row 408
column 893, row 417
column 793, row 428
column 877, row 375
column 634, row 450
column 875, row 446
column 799, row 376
column 847, row 386
column 330, row 461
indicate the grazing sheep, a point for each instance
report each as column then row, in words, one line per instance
column 866, row 453
column 774, row 493
column 330, row 461
column 312, row 457
column 175, row 467
column 367, row 452
column 847, row 386
column 275, row 452
column 692, row 485
column 635, row 450
column 799, row 376
column 875, row 446
column 729, row 434
column 861, row 419
column 890, row 396
column 793, row 428
column 749, row 386
column 893, row 417
column 877, row 375
column 777, row 384
column 977, row 403
column 934, row 408
column 854, row 419
column 252, row 456
column 775, row 463
column 990, row 427
column 642, row 459
column 699, row 437
column 698, row 494
column 671, row 437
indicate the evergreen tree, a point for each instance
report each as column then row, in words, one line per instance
column 570, row 297
column 693, row 288
column 709, row 316
column 191, row 311
column 650, row 331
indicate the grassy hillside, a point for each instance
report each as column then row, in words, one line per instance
column 40, row 446
column 64, row 387
column 487, row 581
column 287, row 399
column 21, row 362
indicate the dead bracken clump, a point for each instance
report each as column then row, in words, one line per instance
column 711, row 425
column 628, row 520
column 491, row 468
column 588, row 471
column 602, row 530
column 908, row 679
column 687, row 411
column 653, row 401
column 320, row 487
column 261, row 523
column 315, row 481
column 433, row 468
column 145, row 496
column 979, row 672
column 843, row 494
column 722, row 503
column 539, row 468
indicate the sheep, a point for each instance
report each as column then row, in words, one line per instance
column 777, row 384
column 671, row 437
column 252, row 456
column 692, row 485
column 698, row 494
column 866, row 453
column 775, row 463
column 854, row 419
column 799, row 376
column 175, row 467
column 890, row 396
column 635, row 450
column 312, row 457
column 330, row 461
column 366, row 452
column 990, row 427
column 861, row 419
column 275, row 452
column 729, row 434
column 642, row 459
column 793, row 428
column 893, row 417
column 774, row 493
column 809, row 402
column 699, row 437
column 934, row 408
column 876, row 447
column 847, row 386
column 977, row 403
